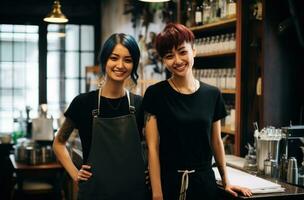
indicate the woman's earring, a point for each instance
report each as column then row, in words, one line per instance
column 130, row 85
column 101, row 81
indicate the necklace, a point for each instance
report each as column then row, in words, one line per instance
column 194, row 84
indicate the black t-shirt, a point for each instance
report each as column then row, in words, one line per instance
column 80, row 112
column 184, row 123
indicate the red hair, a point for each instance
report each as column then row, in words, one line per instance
column 173, row 35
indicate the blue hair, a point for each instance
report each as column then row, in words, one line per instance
column 127, row 41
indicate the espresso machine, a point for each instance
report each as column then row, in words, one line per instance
column 293, row 139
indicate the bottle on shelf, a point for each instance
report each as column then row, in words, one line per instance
column 222, row 9
column 189, row 19
column 230, row 79
column 193, row 12
column 19, row 127
column 222, row 77
column 198, row 15
column 206, row 47
column 226, row 42
column 28, row 122
column 212, row 42
column 231, row 8
column 232, row 44
column 213, row 11
column 206, row 11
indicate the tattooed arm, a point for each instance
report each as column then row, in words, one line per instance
column 219, row 155
column 153, row 155
column 62, row 154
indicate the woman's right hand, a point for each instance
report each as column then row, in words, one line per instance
column 83, row 174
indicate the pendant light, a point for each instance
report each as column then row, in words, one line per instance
column 154, row 1
column 56, row 16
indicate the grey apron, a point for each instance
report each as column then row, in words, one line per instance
column 115, row 158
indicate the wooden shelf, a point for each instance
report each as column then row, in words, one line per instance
column 228, row 91
column 217, row 54
column 224, row 23
column 227, row 129
column 229, row 59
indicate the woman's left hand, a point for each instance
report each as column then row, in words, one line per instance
column 234, row 190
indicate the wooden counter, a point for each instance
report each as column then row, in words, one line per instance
column 292, row 192
column 51, row 173
column 22, row 166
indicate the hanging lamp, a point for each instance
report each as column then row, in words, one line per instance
column 56, row 16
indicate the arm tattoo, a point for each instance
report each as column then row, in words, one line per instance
column 65, row 130
column 147, row 117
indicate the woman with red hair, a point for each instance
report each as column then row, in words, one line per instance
column 183, row 128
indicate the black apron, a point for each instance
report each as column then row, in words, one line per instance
column 115, row 158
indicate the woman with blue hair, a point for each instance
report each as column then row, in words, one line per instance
column 109, row 121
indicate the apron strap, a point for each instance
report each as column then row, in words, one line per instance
column 131, row 102
column 132, row 109
column 185, row 183
column 96, row 112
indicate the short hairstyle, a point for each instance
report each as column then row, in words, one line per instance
column 173, row 35
column 127, row 41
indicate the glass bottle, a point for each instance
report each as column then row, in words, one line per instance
column 222, row 8
column 212, row 10
column 201, row 48
column 212, row 45
column 206, row 11
column 217, row 44
column 231, row 8
column 19, row 127
column 198, row 15
column 188, row 22
column 221, row 43
column 206, row 47
column 232, row 44
column 223, row 79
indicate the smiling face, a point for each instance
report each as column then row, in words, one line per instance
column 119, row 64
column 179, row 60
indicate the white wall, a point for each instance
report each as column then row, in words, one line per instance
column 113, row 20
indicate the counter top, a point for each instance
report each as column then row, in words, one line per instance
column 23, row 166
column 291, row 191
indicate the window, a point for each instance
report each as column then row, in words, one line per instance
column 18, row 72
column 70, row 48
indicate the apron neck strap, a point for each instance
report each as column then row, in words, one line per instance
column 131, row 102
column 96, row 112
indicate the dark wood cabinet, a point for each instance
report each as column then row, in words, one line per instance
column 273, row 53
column 268, row 63
column 225, row 59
